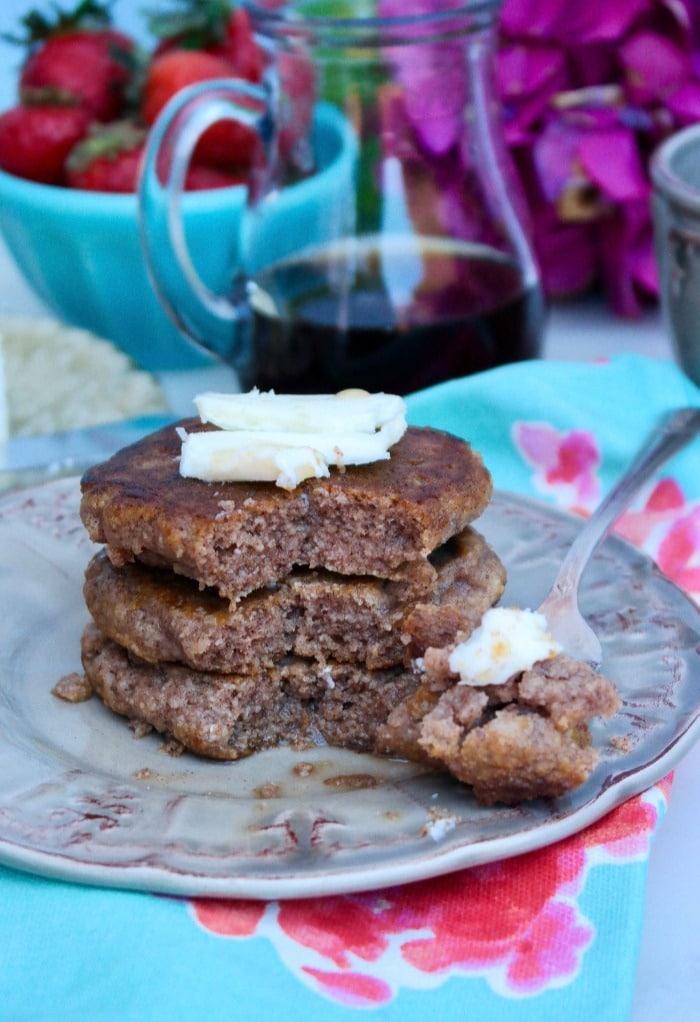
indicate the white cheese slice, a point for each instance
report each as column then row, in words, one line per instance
column 235, row 462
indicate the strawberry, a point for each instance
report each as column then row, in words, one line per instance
column 240, row 47
column 35, row 141
column 225, row 145
column 199, row 178
column 77, row 60
column 109, row 160
column 298, row 79
column 211, row 26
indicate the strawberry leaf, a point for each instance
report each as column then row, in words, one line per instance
column 105, row 142
column 88, row 14
column 194, row 23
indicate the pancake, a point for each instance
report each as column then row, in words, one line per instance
column 162, row 617
column 229, row 716
column 382, row 519
column 527, row 738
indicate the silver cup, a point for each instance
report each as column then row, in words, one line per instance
column 675, row 173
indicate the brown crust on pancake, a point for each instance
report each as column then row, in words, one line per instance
column 382, row 519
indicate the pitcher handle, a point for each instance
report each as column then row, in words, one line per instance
column 205, row 317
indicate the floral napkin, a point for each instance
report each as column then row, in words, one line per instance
column 549, row 935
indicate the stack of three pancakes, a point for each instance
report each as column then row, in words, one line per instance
column 237, row 616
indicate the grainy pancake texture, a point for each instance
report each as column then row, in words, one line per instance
column 227, row 716
column 382, row 519
column 233, row 617
column 162, row 617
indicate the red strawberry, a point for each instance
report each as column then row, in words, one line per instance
column 200, row 178
column 211, row 26
column 241, row 48
column 225, row 145
column 108, row 159
column 298, row 79
column 215, row 27
column 35, row 141
column 82, row 69
column 77, row 60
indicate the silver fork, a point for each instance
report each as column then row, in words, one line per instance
column 561, row 607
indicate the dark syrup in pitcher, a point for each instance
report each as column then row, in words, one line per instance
column 391, row 318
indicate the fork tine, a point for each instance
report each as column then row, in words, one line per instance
column 570, row 628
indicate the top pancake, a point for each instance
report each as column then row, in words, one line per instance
column 382, row 519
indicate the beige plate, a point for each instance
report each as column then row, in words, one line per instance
column 82, row 799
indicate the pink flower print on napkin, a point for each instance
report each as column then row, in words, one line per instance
column 663, row 506
column 678, row 553
column 624, row 833
column 663, row 523
column 565, row 464
column 668, row 528
column 230, row 917
column 516, row 923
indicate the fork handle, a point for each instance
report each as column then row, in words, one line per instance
column 672, row 434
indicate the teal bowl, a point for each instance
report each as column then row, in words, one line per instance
column 80, row 252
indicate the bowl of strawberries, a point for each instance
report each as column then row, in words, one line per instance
column 72, row 146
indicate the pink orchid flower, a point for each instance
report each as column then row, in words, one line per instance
column 570, row 24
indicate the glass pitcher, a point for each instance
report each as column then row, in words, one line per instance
column 384, row 242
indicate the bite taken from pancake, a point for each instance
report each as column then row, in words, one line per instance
column 514, row 726
column 300, row 570
column 382, row 519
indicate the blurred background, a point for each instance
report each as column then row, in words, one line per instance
column 127, row 12
column 607, row 302
column 15, row 295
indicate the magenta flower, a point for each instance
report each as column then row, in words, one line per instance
column 560, row 21
column 588, row 91
column 528, row 76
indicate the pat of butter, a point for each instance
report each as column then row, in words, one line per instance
column 262, row 441
column 508, row 641
column 350, row 411
column 224, row 460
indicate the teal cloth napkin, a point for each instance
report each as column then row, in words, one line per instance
column 549, row 935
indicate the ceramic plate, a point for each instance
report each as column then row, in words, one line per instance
column 82, row 799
